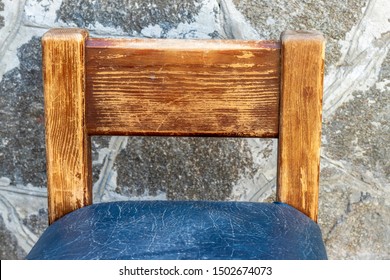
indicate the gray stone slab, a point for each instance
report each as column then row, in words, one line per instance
column 1, row 17
column 9, row 249
column 358, row 134
column 355, row 187
column 333, row 18
column 22, row 145
column 183, row 168
column 129, row 16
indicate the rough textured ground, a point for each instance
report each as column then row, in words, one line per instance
column 355, row 171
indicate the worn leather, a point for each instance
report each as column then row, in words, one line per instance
column 182, row 230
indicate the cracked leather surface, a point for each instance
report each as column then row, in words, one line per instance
column 182, row 230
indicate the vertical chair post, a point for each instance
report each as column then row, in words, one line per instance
column 67, row 141
column 300, row 120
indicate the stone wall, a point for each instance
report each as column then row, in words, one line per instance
column 355, row 167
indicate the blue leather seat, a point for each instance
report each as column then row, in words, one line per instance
column 182, row 230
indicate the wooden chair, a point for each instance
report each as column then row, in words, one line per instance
column 224, row 88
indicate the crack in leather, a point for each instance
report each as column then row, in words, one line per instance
column 182, row 230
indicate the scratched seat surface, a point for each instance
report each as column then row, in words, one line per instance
column 182, row 230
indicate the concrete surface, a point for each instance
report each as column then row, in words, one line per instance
column 355, row 169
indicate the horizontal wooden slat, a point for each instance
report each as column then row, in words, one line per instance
column 182, row 87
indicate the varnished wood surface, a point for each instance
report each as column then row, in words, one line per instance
column 67, row 142
column 300, row 120
column 182, row 87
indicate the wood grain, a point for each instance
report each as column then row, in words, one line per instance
column 67, row 141
column 300, row 120
column 182, row 87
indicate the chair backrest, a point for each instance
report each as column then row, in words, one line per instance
column 181, row 88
